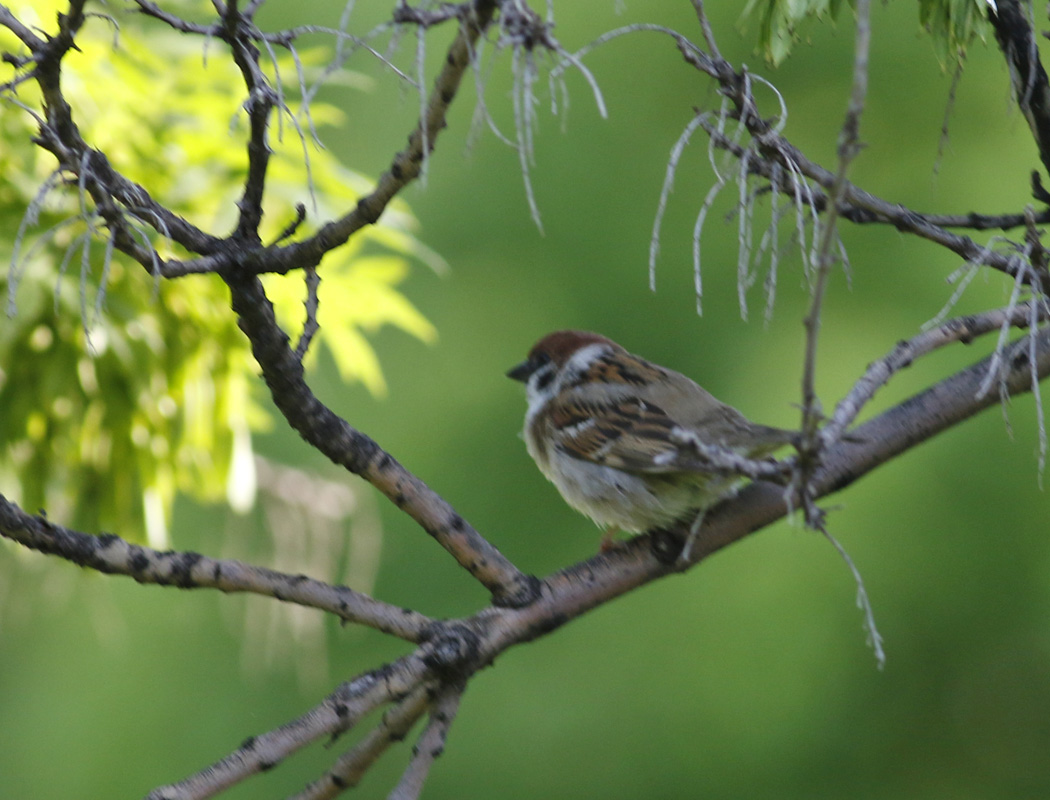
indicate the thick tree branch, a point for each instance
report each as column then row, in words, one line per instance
column 456, row 649
column 1013, row 32
column 186, row 570
column 360, row 454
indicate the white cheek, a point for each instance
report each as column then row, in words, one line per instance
column 583, row 358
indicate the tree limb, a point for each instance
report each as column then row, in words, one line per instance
column 457, row 649
column 1013, row 32
column 335, row 438
column 112, row 555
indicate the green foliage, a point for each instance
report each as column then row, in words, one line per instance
column 779, row 21
column 116, row 390
column 951, row 24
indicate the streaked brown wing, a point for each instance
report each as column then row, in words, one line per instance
column 631, row 434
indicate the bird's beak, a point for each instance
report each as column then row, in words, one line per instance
column 522, row 371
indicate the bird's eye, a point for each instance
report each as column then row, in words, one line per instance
column 544, row 376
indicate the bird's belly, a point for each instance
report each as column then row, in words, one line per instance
column 633, row 502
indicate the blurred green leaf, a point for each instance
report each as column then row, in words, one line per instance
column 951, row 24
column 118, row 391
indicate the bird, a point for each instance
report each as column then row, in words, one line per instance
column 622, row 438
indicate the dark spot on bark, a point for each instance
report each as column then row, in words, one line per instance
column 525, row 593
column 138, row 561
column 182, row 567
column 665, row 546
column 454, row 651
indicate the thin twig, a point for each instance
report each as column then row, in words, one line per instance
column 431, row 744
column 849, row 147
column 880, row 371
column 351, row 767
column 337, row 713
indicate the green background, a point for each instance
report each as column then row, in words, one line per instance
column 748, row 677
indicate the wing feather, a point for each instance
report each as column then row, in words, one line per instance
column 637, row 435
column 633, row 435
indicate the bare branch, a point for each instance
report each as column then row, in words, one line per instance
column 404, row 169
column 150, row 9
column 350, row 448
column 351, row 767
column 310, row 326
column 112, row 555
column 25, row 35
column 961, row 329
column 848, row 148
column 431, row 744
column 337, row 713
column 1013, row 32
column 893, row 432
column 705, row 26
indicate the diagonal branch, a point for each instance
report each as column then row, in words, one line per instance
column 1013, row 32
column 335, row 438
column 961, row 329
column 453, row 651
column 404, row 169
column 337, row 713
column 60, row 136
column 351, row 767
column 187, row 570
column 431, row 743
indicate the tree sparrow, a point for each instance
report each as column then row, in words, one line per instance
column 628, row 442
